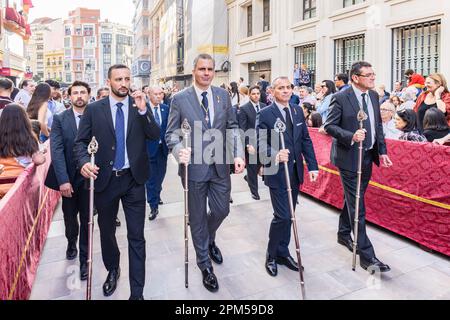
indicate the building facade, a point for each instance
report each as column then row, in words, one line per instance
column 141, row 42
column 47, row 38
column 328, row 36
column 178, row 30
column 116, row 47
column 81, row 46
column 14, row 32
column 54, row 65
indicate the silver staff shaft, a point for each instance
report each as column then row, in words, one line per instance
column 280, row 128
column 186, row 129
column 361, row 118
column 92, row 149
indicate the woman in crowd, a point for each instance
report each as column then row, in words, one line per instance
column 243, row 96
column 308, row 109
column 387, row 117
column 18, row 146
column 436, row 96
column 395, row 100
column 38, row 107
column 234, row 93
column 328, row 89
column 405, row 121
column 435, row 125
column 409, row 99
column 315, row 120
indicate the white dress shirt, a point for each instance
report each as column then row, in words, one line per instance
column 77, row 117
column 210, row 101
column 370, row 109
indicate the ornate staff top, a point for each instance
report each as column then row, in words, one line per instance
column 93, row 146
column 280, row 126
column 186, row 128
column 362, row 116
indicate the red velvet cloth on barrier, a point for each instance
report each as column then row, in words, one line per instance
column 25, row 216
column 411, row 199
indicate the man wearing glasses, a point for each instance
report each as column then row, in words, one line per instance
column 342, row 124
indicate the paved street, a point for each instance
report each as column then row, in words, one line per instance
column 415, row 274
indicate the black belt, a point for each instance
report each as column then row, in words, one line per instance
column 119, row 173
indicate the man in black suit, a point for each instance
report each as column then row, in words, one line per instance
column 247, row 123
column 263, row 84
column 121, row 124
column 342, row 124
column 64, row 176
column 298, row 145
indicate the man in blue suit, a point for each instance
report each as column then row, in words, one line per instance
column 157, row 151
column 298, row 146
column 63, row 175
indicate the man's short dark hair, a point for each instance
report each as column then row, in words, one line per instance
column 242, row 79
column 116, row 67
column 204, row 56
column 79, row 84
column 409, row 72
column 54, row 84
column 357, row 66
column 254, row 88
column 342, row 77
column 24, row 84
column 6, row 84
column 263, row 76
column 144, row 87
column 102, row 89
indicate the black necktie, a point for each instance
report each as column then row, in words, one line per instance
column 205, row 108
column 289, row 125
column 257, row 108
column 368, row 142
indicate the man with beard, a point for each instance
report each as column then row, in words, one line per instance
column 121, row 124
column 64, row 177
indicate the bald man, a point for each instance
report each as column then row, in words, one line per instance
column 157, row 151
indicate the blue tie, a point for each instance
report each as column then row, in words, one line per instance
column 119, row 162
column 157, row 118
column 205, row 108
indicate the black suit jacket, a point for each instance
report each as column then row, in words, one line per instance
column 342, row 123
column 247, row 120
column 63, row 168
column 300, row 145
column 97, row 122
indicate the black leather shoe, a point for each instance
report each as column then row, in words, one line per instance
column 374, row 265
column 231, row 200
column 83, row 271
column 209, row 280
column 289, row 262
column 136, row 298
column 118, row 224
column 271, row 266
column 256, row 196
column 72, row 251
column 215, row 254
column 153, row 214
column 346, row 242
column 110, row 284
column 160, row 202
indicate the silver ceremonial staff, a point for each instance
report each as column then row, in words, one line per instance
column 92, row 150
column 280, row 128
column 362, row 116
column 186, row 130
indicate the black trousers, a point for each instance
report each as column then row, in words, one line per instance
column 280, row 228
column 346, row 219
column 216, row 193
column 132, row 196
column 79, row 203
column 252, row 177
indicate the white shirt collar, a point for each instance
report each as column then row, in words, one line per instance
column 199, row 92
column 358, row 92
column 76, row 113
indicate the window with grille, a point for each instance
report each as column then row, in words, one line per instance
column 307, row 55
column 416, row 47
column 249, row 21
column 348, row 51
column 309, row 9
column 348, row 3
column 266, row 15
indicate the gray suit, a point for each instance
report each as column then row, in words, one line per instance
column 209, row 170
